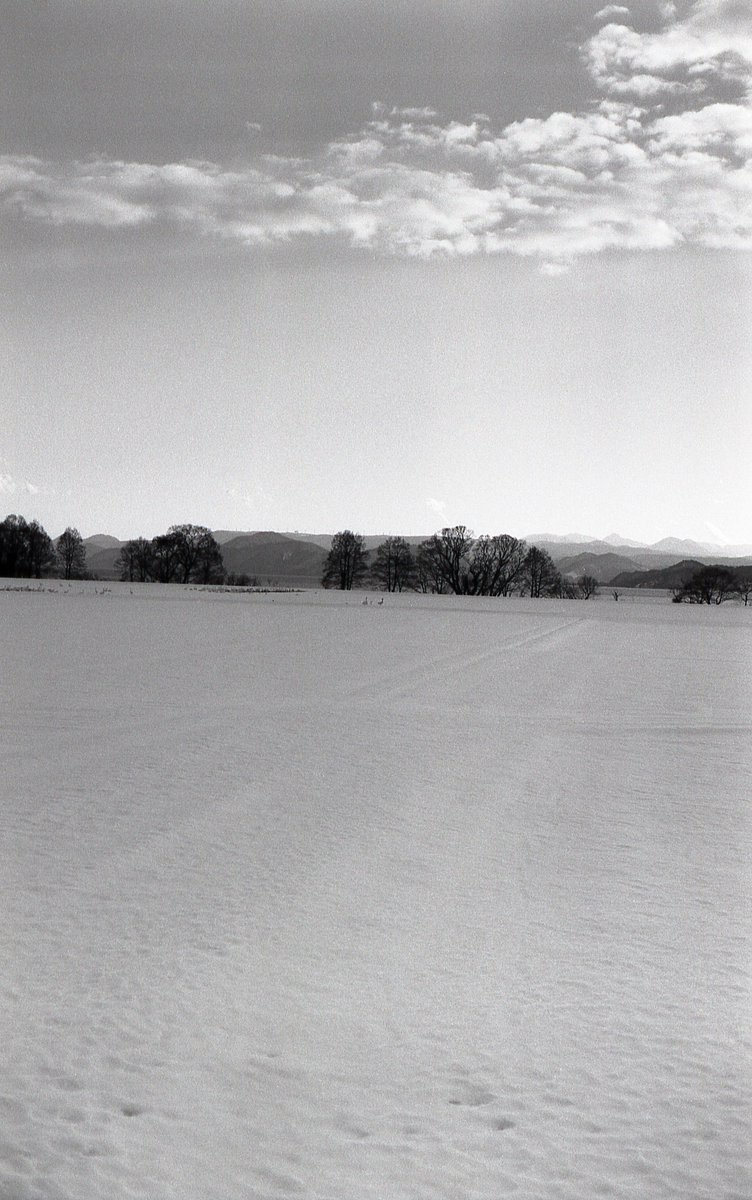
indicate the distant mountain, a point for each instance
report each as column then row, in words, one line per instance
column 274, row 557
column 677, row 574
column 561, row 550
column 615, row 539
column 685, row 546
column 647, row 557
column 100, row 560
column 667, row 577
column 602, row 567
column 370, row 540
column 227, row 535
column 100, row 541
column 557, row 539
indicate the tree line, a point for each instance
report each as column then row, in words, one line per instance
column 714, row 585
column 452, row 561
column 455, row 561
column 185, row 554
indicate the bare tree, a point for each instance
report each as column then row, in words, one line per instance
column 136, row 560
column 40, row 550
column 495, row 565
column 744, row 587
column 563, row 588
column 13, row 544
column 454, row 544
column 71, row 554
column 164, row 557
column 478, row 575
column 196, row 552
column 709, row 585
column 540, row 577
column 210, row 567
column 26, row 550
column 346, row 563
column 587, row 586
column 429, row 574
column 393, row 567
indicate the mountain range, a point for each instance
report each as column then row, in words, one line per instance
column 297, row 559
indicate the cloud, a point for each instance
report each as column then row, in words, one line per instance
column 437, row 507
column 658, row 160
column 707, row 57
column 252, row 496
column 9, row 485
column 611, row 11
column 717, row 533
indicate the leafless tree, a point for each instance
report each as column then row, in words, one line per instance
column 496, row 564
column 136, row 560
column 164, row 558
column 429, row 575
column 197, row 554
column 709, row 585
column 393, row 567
column 587, row 586
column 71, row 554
column 347, row 562
column 26, row 550
column 540, row 576
column 744, row 587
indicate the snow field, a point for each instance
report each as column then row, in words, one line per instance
column 437, row 899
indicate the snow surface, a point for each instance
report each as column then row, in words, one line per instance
column 303, row 897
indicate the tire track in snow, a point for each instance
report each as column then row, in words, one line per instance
column 452, row 664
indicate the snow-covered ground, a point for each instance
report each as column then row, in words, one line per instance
column 303, row 897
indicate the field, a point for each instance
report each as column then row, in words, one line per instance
column 440, row 898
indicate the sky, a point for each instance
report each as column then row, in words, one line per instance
column 378, row 264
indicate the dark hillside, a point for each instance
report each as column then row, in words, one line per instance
column 602, row 567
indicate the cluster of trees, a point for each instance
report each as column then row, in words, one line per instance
column 713, row 585
column 28, row 552
column 451, row 561
column 185, row 554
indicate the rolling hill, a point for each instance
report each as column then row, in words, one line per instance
column 274, row 558
column 665, row 577
column 602, row 567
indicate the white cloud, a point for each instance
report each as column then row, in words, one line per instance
column 7, row 484
column 628, row 173
column 437, row 507
column 708, row 55
column 717, row 533
column 414, row 114
column 610, row 12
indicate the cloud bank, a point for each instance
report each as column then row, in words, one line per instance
column 661, row 157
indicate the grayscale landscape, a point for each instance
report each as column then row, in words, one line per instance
column 305, row 895
column 375, row 600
